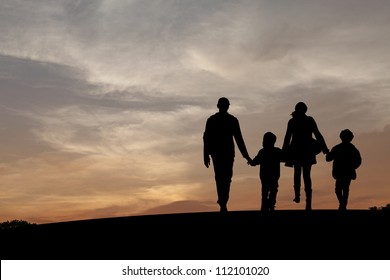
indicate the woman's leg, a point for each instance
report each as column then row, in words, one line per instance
column 297, row 182
column 307, row 182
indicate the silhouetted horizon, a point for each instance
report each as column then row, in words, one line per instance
column 380, row 208
column 245, row 234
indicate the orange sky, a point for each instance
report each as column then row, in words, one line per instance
column 103, row 103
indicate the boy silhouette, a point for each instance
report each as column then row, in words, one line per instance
column 346, row 159
column 269, row 158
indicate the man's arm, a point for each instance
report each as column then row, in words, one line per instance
column 240, row 141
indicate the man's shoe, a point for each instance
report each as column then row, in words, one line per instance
column 297, row 199
column 223, row 209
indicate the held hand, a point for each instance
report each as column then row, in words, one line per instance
column 207, row 162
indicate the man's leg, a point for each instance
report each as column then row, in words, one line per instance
column 223, row 176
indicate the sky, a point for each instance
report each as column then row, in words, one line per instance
column 103, row 103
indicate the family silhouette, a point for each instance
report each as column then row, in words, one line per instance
column 302, row 142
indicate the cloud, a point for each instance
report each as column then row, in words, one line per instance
column 171, row 48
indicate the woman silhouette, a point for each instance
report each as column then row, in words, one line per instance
column 301, row 149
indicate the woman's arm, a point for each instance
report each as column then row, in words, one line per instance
column 319, row 137
column 287, row 137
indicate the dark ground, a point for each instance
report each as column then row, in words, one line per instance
column 237, row 235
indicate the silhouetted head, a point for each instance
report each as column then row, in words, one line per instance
column 300, row 108
column 346, row 135
column 223, row 104
column 269, row 139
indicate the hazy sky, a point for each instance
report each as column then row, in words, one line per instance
column 104, row 102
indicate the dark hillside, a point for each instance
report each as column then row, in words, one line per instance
column 319, row 234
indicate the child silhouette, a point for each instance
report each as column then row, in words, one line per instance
column 269, row 158
column 346, row 159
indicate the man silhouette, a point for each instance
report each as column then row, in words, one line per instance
column 221, row 130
